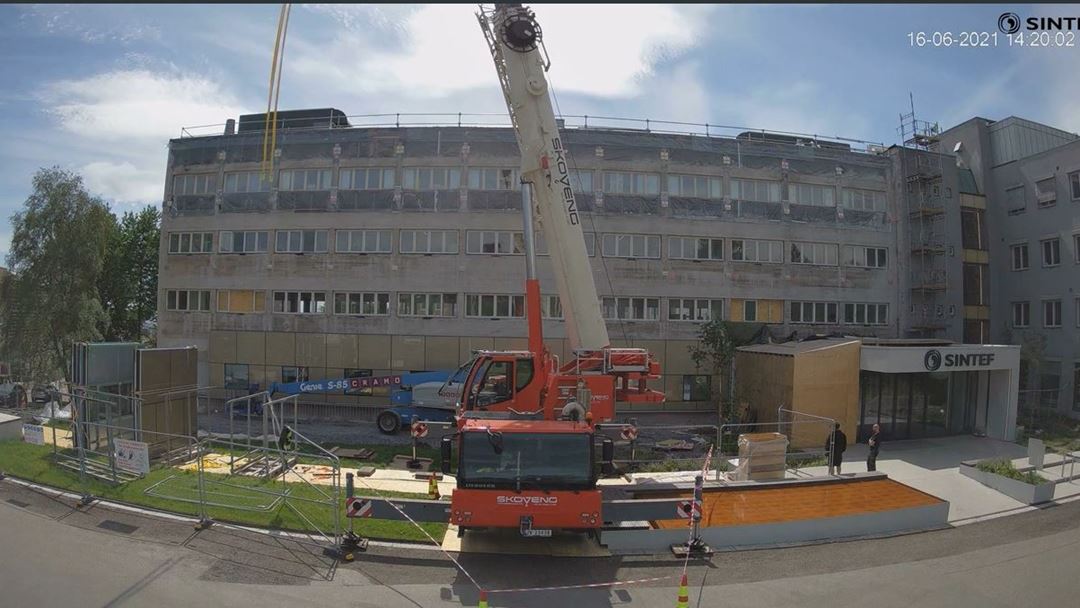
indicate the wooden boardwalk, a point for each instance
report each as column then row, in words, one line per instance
column 764, row 505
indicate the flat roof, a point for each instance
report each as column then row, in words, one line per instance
column 793, row 348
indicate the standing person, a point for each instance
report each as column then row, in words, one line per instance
column 875, row 447
column 835, row 446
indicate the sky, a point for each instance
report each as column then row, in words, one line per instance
column 100, row 89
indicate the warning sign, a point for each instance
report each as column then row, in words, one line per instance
column 33, row 433
column 629, row 432
column 358, row 507
column 687, row 508
column 132, row 456
column 419, row 430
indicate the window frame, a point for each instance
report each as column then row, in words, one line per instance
column 881, row 313
column 829, row 311
column 415, row 175
column 1048, row 306
column 1021, row 248
column 381, row 304
column 1055, row 248
column 475, row 305
column 224, row 296
column 713, row 186
column 797, row 189
column 299, row 301
column 714, row 246
column 430, row 239
column 815, row 248
column 848, row 199
column 502, row 179
column 347, row 178
column 880, row 256
column 693, row 313
column 514, row 239
column 262, row 185
column 630, row 304
column 757, row 250
column 231, row 385
column 301, row 239
column 324, row 179
column 772, row 188
column 1074, row 185
column 178, row 238
column 1024, row 308
column 207, row 186
column 384, row 241
column 444, row 299
column 617, row 239
column 641, row 183
column 172, row 300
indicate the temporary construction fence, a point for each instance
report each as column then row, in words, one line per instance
column 807, row 435
column 659, row 447
column 282, row 473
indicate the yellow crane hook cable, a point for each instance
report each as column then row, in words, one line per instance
column 270, row 124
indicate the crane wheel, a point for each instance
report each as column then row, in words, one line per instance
column 388, row 422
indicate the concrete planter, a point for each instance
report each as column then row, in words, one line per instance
column 1015, row 489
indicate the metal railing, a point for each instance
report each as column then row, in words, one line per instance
column 568, row 121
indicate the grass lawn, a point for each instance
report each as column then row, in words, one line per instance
column 35, row 463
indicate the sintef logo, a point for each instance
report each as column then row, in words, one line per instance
column 1009, row 23
column 932, row 360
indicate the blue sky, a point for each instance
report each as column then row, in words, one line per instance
column 101, row 88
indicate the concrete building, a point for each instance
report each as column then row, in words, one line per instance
column 393, row 248
column 1026, row 222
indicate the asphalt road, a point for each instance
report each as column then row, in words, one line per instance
column 55, row 555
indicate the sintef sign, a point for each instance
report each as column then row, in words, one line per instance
column 934, row 360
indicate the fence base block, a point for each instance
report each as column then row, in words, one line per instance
column 696, row 548
column 204, row 523
column 351, row 543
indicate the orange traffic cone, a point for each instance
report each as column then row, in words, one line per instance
column 433, row 488
column 684, row 595
column 483, row 600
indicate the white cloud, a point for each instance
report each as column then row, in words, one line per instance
column 594, row 50
column 130, row 115
column 124, row 104
column 124, row 182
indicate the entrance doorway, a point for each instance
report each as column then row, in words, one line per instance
column 912, row 406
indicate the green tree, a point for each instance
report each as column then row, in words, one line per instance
column 128, row 286
column 715, row 352
column 58, row 250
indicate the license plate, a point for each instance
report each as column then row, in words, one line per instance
column 536, row 532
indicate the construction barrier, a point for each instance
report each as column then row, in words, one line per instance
column 658, row 448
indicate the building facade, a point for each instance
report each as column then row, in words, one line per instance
column 1027, row 218
column 369, row 250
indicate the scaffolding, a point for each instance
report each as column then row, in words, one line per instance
column 924, row 198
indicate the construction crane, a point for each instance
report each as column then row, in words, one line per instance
column 526, row 440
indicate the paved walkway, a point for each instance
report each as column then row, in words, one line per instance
column 105, row 557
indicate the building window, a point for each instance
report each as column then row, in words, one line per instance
column 631, row 183
column 590, row 244
column 864, row 200
column 241, row 300
column 1049, row 384
column 1077, row 307
column 813, row 312
column 695, row 248
column 1046, row 192
column 205, row 183
column 810, row 194
column 551, row 307
column 695, row 309
column 694, row 186
column 437, row 178
column 1014, row 198
column 371, row 178
column 491, row 178
column 865, row 257
column 1076, row 248
column 749, row 310
column 301, row 241
column 494, row 306
column 972, row 229
column 187, row 300
column 362, row 303
column 427, row 305
column 631, row 246
column 1051, row 313
column 755, row 190
column 1019, row 256
column 304, row 179
column 581, row 180
column 429, row 241
column 243, row 242
column 300, row 302
column 293, row 373
column 494, row 242
column 1051, row 252
column 246, row 181
column 818, row 254
column 1076, row 387
column 1021, row 314
column 751, row 250
column 1074, row 184
column 191, row 242
column 236, row 376
column 976, row 286
column 696, row 387
column 859, row 313
column 363, row 241
column 630, row 309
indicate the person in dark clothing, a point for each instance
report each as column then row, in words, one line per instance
column 875, row 447
column 835, row 446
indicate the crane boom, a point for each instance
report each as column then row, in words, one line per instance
column 514, row 39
